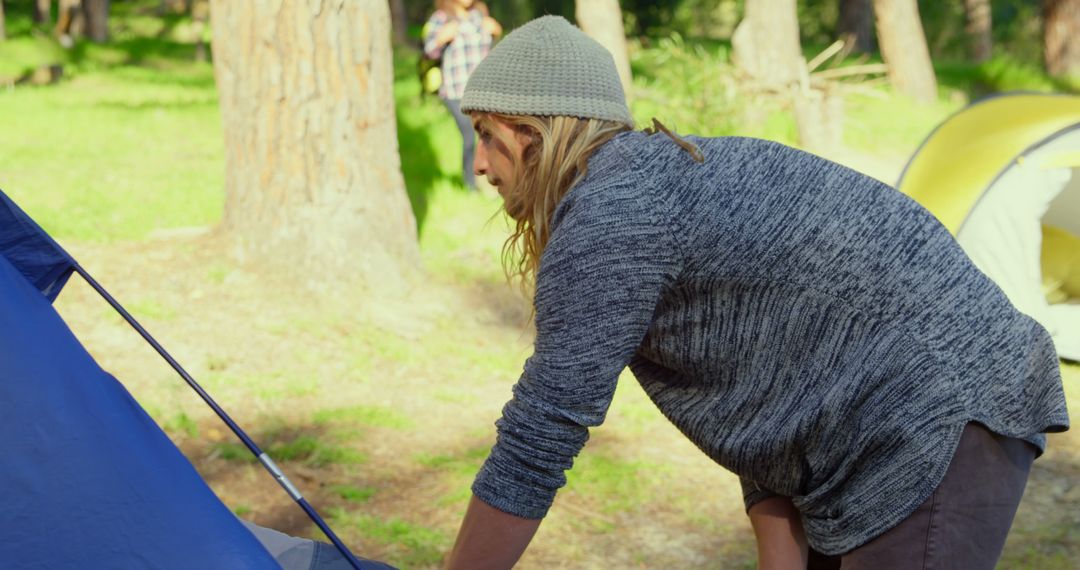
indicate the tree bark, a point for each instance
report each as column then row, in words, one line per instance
column 42, row 12
column 200, row 20
column 602, row 21
column 400, row 18
column 856, row 25
column 174, row 7
column 3, row 23
column 97, row 20
column 978, row 27
column 903, row 47
column 766, row 44
column 314, row 190
column 70, row 21
column 1061, row 37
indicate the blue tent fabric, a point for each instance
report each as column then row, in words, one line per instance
column 89, row 480
column 44, row 263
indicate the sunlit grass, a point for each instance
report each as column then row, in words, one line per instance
column 408, row 544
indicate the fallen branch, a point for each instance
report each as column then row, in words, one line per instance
column 825, row 55
column 868, row 69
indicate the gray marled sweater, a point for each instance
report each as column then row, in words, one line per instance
column 809, row 328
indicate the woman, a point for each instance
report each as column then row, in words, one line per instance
column 459, row 33
column 807, row 327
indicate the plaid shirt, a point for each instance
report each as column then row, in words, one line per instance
column 461, row 56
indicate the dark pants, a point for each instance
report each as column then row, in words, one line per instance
column 964, row 523
column 468, row 140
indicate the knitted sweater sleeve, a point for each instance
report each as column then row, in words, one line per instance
column 600, row 278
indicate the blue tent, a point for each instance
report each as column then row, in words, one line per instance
column 90, row 480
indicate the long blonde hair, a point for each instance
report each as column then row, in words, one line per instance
column 554, row 159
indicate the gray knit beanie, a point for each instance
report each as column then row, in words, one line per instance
column 548, row 67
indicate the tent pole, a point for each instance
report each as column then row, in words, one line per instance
column 263, row 458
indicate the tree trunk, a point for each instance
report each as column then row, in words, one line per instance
column 174, row 7
column 70, row 21
column 42, row 12
column 200, row 20
column 1061, row 37
column 3, row 24
column 602, row 21
column 903, row 47
column 978, row 28
column 766, row 44
column 314, row 190
column 400, row 19
column 856, row 26
column 97, row 20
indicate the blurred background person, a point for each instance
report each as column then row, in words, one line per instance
column 459, row 35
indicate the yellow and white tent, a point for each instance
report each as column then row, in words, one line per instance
column 1003, row 175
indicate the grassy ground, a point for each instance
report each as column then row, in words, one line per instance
column 382, row 411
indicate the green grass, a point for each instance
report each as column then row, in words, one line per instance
column 409, row 544
column 354, row 494
column 377, row 416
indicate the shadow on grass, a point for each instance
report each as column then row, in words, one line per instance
column 419, row 165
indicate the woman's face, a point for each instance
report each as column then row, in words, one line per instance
column 498, row 152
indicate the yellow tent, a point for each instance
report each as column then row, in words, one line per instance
column 1003, row 175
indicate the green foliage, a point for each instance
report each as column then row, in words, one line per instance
column 20, row 56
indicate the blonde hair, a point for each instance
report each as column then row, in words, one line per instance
column 554, row 159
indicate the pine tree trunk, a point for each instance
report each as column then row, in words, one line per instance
column 97, row 20
column 602, row 21
column 173, row 7
column 70, row 21
column 979, row 27
column 903, row 47
column 856, row 25
column 314, row 191
column 399, row 17
column 200, row 21
column 42, row 12
column 1061, row 37
column 766, row 44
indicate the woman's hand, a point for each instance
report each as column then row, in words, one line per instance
column 781, row 542
column 447, row 33
column 491, row 26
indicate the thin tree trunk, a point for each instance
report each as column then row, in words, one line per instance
column 97, row 20
column 903, row 47
column 400, row 19
column 314, row 191
column 70, row 21
column 856, row 25
column 200, row 20
column 766, row 44
column 1061, row 37
column 174, row 7
column 43, row 12
column 602, row 21
column 978, row 28
column 3, row 23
